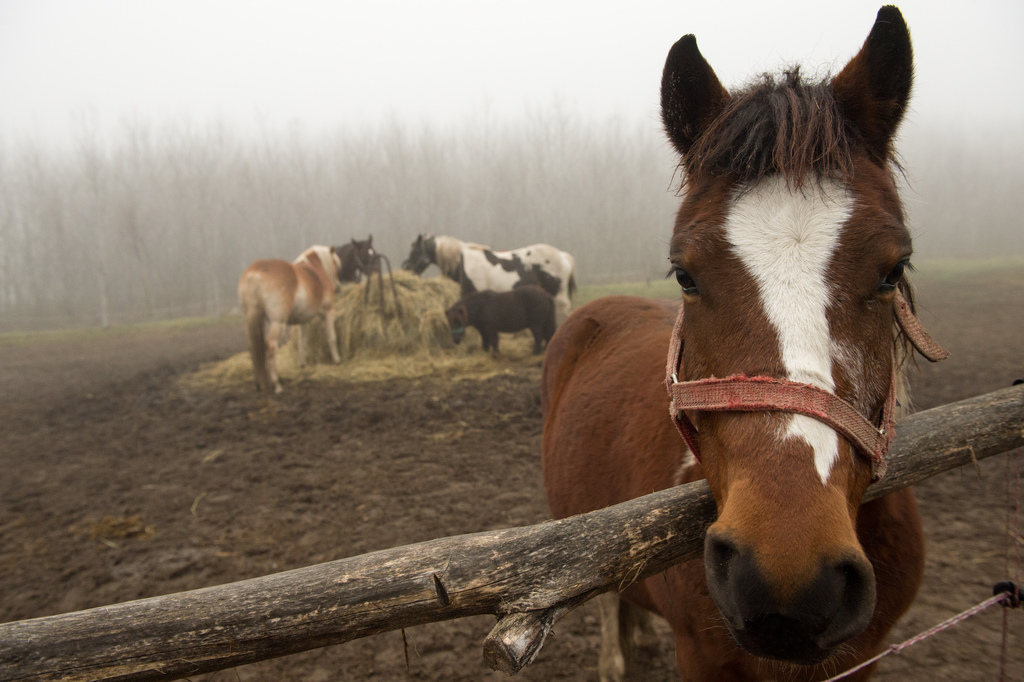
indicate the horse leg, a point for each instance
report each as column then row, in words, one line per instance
column 538, row 335
column 273, row 335
column 617, row 634
column 563, row 306
column 625, row 628
column 300, row 344
column 332, row 334
column 611, row 666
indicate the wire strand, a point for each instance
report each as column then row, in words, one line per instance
column 897, row 648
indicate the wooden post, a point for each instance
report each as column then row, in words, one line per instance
column 537, row 572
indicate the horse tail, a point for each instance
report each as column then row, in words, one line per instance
column 572, row 284
column 255, row 323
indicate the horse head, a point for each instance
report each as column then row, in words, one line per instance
column 790, row 248
column 458, row 319
column 421, row 254
column 363, row 253
column 355, row 259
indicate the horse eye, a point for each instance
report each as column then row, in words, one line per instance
column 685, row 281
column 893, row 278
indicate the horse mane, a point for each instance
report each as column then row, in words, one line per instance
column 324, row 256
column 448, row 253
column 785, row 126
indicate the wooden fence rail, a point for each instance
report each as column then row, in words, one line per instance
column 526, row 576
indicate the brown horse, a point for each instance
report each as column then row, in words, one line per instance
column 357, row 258
column 275, row 293
column 790, row 248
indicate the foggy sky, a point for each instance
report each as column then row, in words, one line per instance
column 69, row 67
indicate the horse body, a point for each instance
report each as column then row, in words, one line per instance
column 479, row 268
column 525, row 307
column 274, row 294
column 609, row 355
column 789, row 248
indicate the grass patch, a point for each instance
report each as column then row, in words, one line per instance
column 139, row 329
column 1009, row 270
column 1006, row 270
column 666, row 288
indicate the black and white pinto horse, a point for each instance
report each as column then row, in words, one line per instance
column 479, row 268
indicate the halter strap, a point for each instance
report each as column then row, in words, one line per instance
column 741, row 393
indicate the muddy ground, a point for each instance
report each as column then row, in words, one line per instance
column 119, row 481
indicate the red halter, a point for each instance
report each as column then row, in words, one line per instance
column 740, row 393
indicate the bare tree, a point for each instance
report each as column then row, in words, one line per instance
column 161, row 222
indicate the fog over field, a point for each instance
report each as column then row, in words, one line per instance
column 161, row 222
column 150, row 151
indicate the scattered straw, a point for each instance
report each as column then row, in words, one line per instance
column 111, row 528
column 194, row 509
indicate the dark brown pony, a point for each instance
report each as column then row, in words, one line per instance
column 274, row 293
column 525, row 307
column 789, row 248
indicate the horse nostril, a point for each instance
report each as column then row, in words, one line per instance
column 835, row 604
column 854, row 586
column 719, row 553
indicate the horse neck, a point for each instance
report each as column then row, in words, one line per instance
column 347, row 255
column 319, row 258
column 448, row 255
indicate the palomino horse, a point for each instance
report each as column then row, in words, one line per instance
column 480, row 268
column 790, row 248
column 275, row 293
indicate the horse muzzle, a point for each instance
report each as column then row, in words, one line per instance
column 805, row 627
column 416, row 267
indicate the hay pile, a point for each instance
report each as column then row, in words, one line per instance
column 376, row 345
column 366, row 330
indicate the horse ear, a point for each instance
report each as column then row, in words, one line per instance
column 874, row 88
column 691, row 94
column 369, row 240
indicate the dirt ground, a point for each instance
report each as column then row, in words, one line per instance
column 121, row 482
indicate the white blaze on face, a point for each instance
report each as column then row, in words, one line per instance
column 785, row 239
